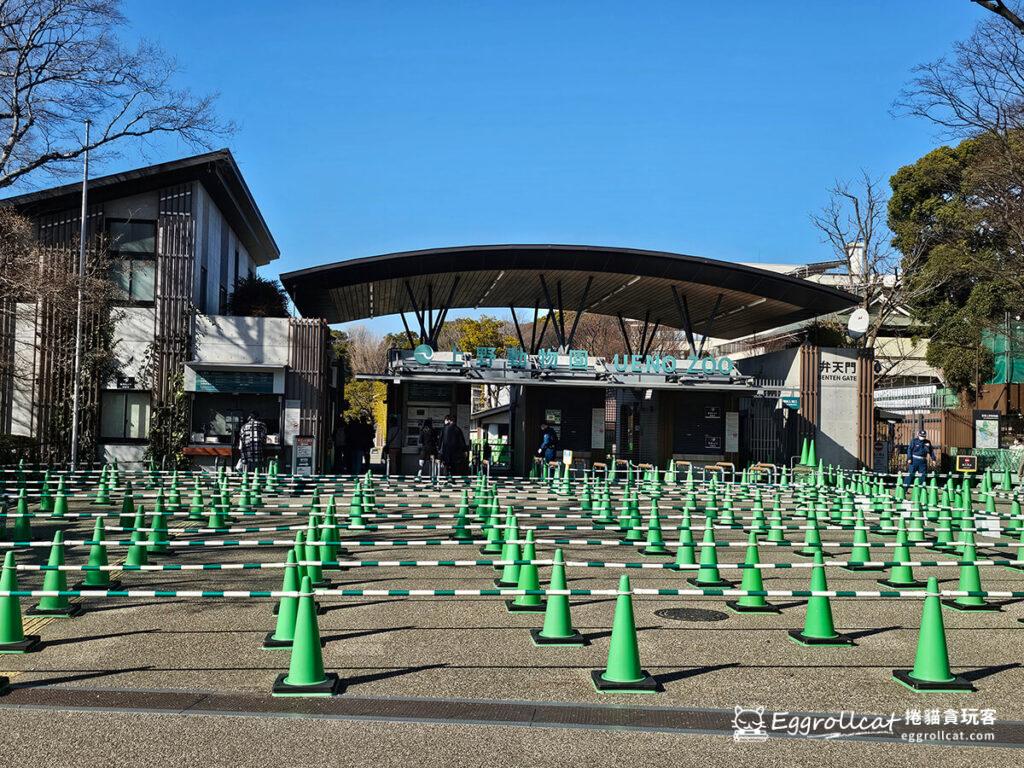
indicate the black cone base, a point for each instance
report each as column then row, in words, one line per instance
column 28, row 644
column 801, row 553
column 646, row 684
column 329, row 687
column 512, row 607
column 957, row 684
column 953, row 604
column 505, row 584
column 116, row 584
column 710, row 584
column 270, row 644
column 905, row 585
column 767, row 608
column 58, row 613
column 575, row 639
column 839, row 641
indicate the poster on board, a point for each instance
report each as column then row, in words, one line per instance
column 302, row 455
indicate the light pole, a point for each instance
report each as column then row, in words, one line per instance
column 77, row 385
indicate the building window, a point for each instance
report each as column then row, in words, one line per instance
column 132, row 247
column 237, row 259
column 124, row 415
column 222, row 300
column 202, row 289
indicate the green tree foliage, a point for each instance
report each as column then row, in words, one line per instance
column 258, row 297
column 468, row 333
column 946, row 216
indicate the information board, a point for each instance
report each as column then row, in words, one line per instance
column 302, row 455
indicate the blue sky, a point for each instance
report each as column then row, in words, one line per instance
column 710, row 128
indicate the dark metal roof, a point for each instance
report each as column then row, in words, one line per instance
column 625, row 280
column 217, row 171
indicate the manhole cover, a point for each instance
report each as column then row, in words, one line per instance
column 691, row 614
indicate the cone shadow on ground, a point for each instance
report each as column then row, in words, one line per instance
column 363, row 633
column 89, row 638
column 388, row 674
column 42, row 683
column 858, row 634
column 983, row 672
column 116, row 606
column 328, row 608
column 684, row 674
column 592, row 636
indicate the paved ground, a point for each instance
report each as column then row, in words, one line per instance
column 114, row 678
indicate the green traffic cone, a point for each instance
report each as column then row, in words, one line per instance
column 970, row 581
column 60, row 501
column 528, row 579
column 136, row 554
column 97, row 579
column 55, row 581
column 622, row 673
column 196, row 505
column 685, row 554
column 901, row 576
column 510, row 551
column 861, row 552
column 707, row 574
column 127, row 506
column 655, row 544
column 818, row 627
column 22, row 523
column 752, row 582
column 931, row 671
column 45, row 499
column 12, row 634
column 287, row 607
column 306, row 676
column 557, row 629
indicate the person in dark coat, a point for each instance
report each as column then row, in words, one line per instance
column 428, row 446
column 453, row 446
column 918, row 453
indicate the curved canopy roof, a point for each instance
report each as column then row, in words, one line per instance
column 722, row 299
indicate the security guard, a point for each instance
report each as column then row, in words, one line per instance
column 918, row 453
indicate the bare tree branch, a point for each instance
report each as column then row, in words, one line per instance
column 1000, row 8
column 61, row 63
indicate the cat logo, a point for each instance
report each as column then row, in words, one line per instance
column 748, row 724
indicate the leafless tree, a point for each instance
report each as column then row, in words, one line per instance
column 61, row 63
column 853, row 225
column 368, row 351
column 38, row 308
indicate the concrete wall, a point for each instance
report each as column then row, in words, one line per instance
column 837, row 430
column 22, row 413
column 783, row 366
column 216, row 249
column 242, row 340
column 125, row 455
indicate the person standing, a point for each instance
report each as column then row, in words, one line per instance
column 918, row 453
column 453, row 446
column 340, row 445
column 428, row 447
column 548, row 442
column 252, row 438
